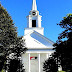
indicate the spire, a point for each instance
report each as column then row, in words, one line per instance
column 34, row 6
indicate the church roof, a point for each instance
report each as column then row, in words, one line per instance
column 36, row 40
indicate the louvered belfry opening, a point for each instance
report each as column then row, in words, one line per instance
column 33, row 23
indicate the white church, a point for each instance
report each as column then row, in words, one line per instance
column 39, row 47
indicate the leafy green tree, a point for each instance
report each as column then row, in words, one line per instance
column 64, row 44
column 63, row 52
column 50, row 65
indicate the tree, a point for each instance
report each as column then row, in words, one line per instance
column 8, row 33
column 14, row 58
column 9, row 41
column 64, row 44
column 63, row 52
column 50, row 65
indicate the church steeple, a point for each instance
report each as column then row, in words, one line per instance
column 34, row 6
column 34, row 20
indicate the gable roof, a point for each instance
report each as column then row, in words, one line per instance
column 39, row 39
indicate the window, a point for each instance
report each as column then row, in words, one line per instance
column 33, row 23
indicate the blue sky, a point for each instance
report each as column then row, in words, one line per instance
column 52, row 12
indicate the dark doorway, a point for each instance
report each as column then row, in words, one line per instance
column 33, row 23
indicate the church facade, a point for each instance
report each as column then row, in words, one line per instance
column 39, row 47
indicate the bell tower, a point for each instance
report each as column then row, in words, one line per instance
column 34, row 20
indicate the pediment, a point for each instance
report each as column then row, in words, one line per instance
column 36, row 40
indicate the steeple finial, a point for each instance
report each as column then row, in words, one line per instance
column 34, row 6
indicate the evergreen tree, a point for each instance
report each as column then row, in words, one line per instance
column 14, row 58
column 10, row 43
column 8, row 34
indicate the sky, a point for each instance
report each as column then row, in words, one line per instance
column 52, row 12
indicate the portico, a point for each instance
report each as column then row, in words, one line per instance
column 37, row 64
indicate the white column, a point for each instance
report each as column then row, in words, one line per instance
column 39, row 62
column 29, row 62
